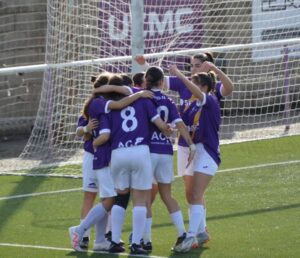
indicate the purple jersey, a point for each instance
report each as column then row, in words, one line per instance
column 97, row 107
column 130, row 126
column 186, row 98
column 136, row 89
column 203, row 121
column 167, row 110
column 175, row 84
column 103, row 152
column 88, row 145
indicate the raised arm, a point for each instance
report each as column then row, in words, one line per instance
column 141, row 60
column 125, row 90
column 194, row 89
column 227, row 83
column 128, row 100
column 186, row 136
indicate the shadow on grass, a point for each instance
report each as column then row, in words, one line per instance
column 192, row 254
column 26, row 186
column 238, row 214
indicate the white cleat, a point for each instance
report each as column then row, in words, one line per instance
column 102, row 246
column 203, row 238
column 75, row 239
column 187, row 244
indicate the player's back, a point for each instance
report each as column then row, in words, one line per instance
column 167, row 110
column 130, row 126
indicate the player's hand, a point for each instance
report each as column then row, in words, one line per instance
column 173, row 70
column 146, row 94
column 140, row 59
column 191, row 154
column 87, row 137
column 206, row 67
column 92, row 124
column 168, row 131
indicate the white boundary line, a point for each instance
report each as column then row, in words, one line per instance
column 38, row 194
column 71, row 250
column 220, row 171
column 260, row 166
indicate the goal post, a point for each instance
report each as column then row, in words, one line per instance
column 256, row 43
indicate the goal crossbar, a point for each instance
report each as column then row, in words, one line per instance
column 43, row 67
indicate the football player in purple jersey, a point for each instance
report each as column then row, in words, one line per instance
column 95, row 108
column 202, row 62
column 161, row 150
column 89, row 181
column 205, row 132
column 130, row 137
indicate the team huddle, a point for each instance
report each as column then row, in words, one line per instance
column 128, row 153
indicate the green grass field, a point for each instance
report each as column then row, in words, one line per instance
column 252, row 212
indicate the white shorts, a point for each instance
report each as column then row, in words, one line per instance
column 162, row 166
column 89, row 178
column 131, row 168
column 182, row 160
column 105, row 182
column 202, row 162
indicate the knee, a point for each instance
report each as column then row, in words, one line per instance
column 122, row 200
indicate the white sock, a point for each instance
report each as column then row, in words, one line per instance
column 138, row 224
column 118, row 217
column 197, row 213
column 108, row 226
column 205, row 218
column 177, row 220
column 86, row 233
column 94, row 215
column 100, row 229
column 147, row 230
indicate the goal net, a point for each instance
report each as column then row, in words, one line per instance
column 256, row 43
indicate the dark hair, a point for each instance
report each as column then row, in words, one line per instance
column 206, row 79
column 93, row 79
column 98, row 81
column 117, row 80
column 153, row 76
column 102, row 79
column 210, row 57
column 138, row 79
column 126, row 79
column 207, row 56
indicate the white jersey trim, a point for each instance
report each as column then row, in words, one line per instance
column 154, row 118
column 104, row 131
column 106, row 108
column 178, row 120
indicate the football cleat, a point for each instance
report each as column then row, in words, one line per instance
column 102, row 246
column 137, row 249
column 84, row 243
column 147, row 246
column 116, row 248
column 75, row 238
column 186, row 245
column 203, row 238
column 178, row 242
column 108, row 235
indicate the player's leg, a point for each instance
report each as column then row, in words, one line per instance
column 141, row 183
column 90, row 188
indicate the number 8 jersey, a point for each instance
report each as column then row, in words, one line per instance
column 130, row 126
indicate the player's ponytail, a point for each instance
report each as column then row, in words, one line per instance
column 153, row 77
column 206, row 79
